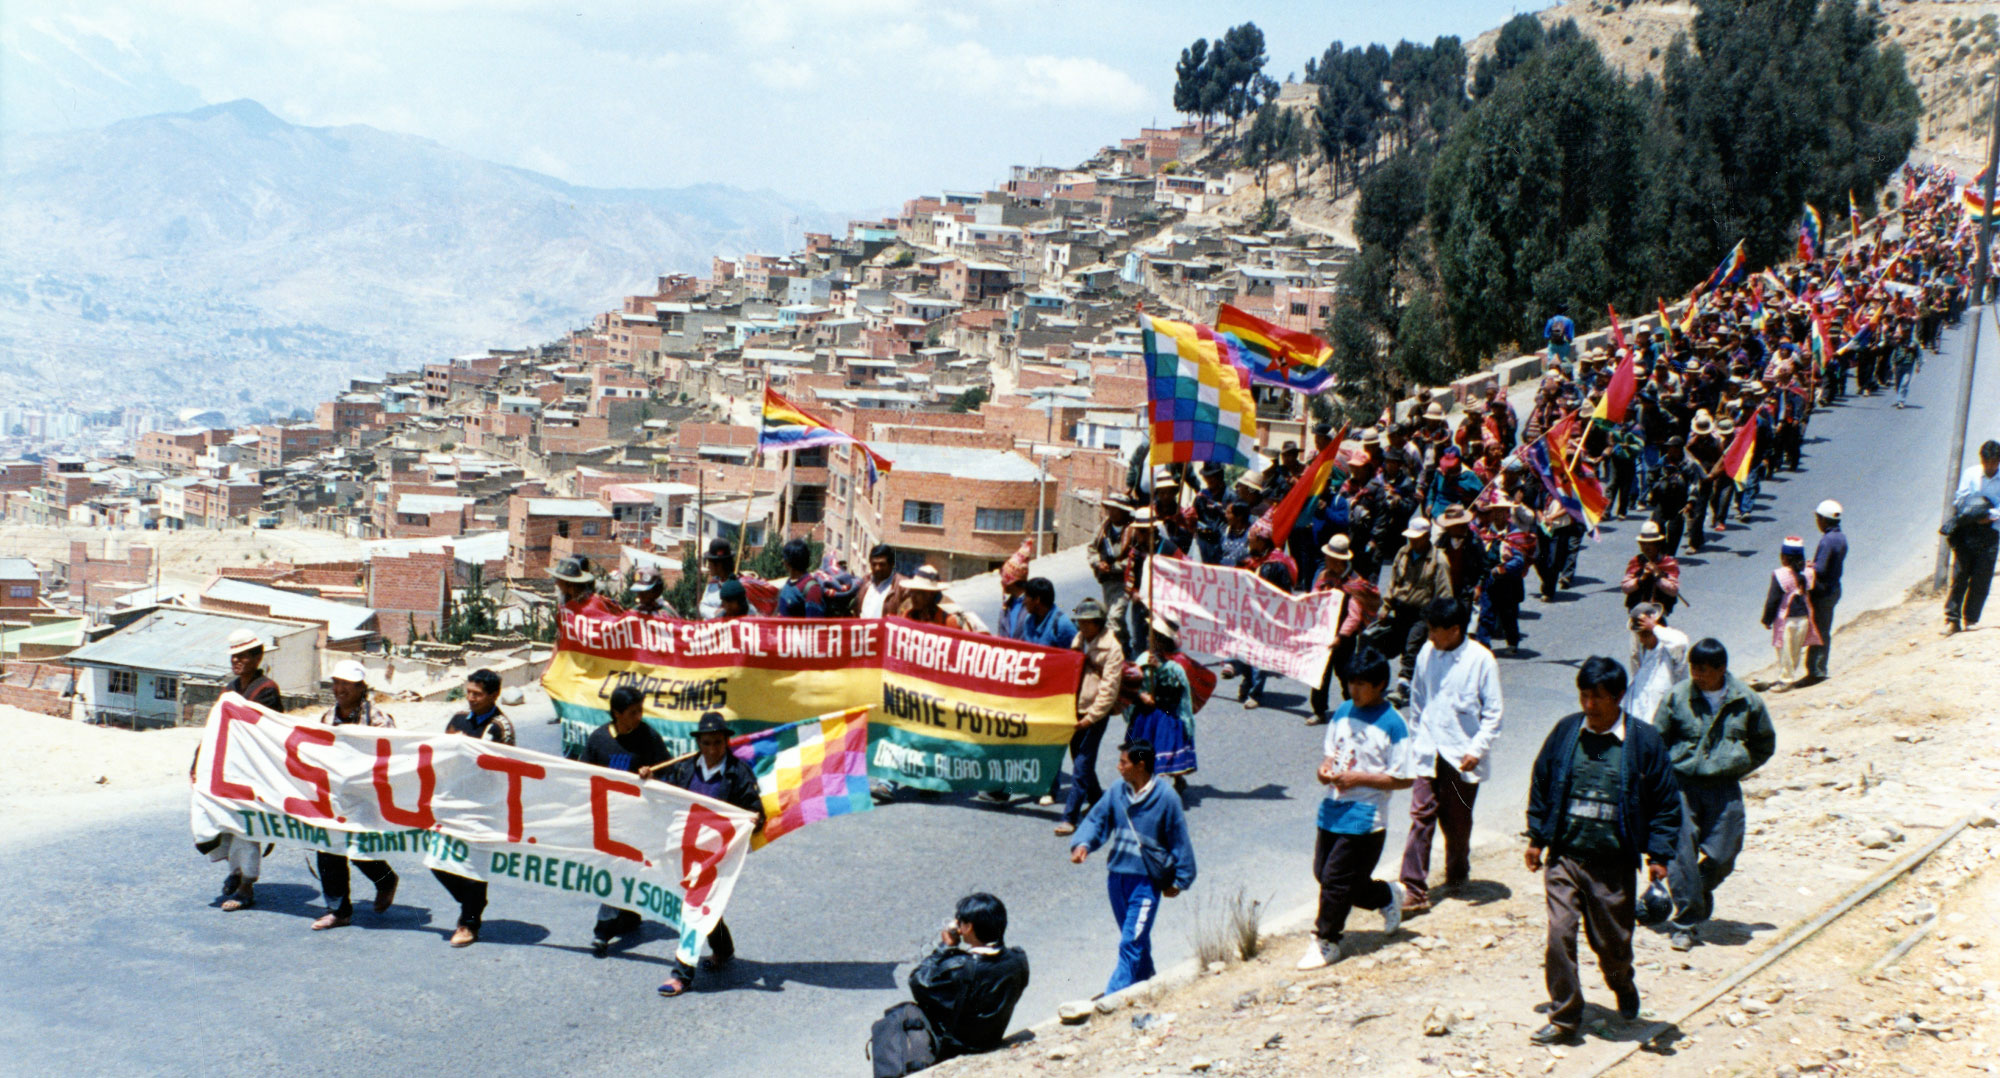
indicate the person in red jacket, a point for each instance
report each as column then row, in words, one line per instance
column 1652, row 576
column 1364, row 602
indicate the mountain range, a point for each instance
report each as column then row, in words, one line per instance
column 225, row 258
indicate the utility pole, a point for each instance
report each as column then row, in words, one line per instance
column 1980, row 270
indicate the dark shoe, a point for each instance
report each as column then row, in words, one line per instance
column 717, row 963
column 385, row 895
column 244, row 898
column 994, row 797
column 1683, row 939
column 599, row 947
column 1553, row 1034
column 1628, row 1003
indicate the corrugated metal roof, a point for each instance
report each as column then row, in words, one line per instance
column 344, row 621
column 191, row 643
column 959, row 462
column 17, row 569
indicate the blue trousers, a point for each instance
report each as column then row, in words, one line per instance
column 1084, row 789
column 1136, row 904
column 1253, row 680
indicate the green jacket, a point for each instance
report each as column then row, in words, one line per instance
column 1729, row 744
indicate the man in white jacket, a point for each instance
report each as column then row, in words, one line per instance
column 1455, row 696
column 1659, row 662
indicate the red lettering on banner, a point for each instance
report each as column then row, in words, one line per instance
column 217, row 785
column 700, row 861
column 322, row 805
column 600, row 817
column 516, row 770
column 421, row 819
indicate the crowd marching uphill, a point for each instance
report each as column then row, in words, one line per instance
column 1433, row 532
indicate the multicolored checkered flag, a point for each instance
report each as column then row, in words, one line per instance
column 808, row 771
column 1198, row 398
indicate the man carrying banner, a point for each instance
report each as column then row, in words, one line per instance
column 574, row 581
column 483, row 720
column 351, row 706
column 246, row 858
column 625, row 743
column 1362, row 603
column 1096, row 700
column 711, row 772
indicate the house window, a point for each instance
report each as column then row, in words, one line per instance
column 925, row 514
column 20, row 591
column 999, row 520
column 1298, row 308
column 123, row 683
column 166, row 688
column 590, row 527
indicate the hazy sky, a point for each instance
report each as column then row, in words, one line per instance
column 854, row 104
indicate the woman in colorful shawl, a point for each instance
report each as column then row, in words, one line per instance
column 1788, row 611
column 1164, row 712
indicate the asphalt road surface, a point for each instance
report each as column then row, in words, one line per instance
column 116, row 959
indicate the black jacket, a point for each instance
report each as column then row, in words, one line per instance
column 739, row 783
column 1649, row 809
column 968, row 998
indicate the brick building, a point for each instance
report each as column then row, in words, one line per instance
column 534, row 525
column 348, row 412
column 99, row 580
column 409, row 590
column 179, row 450
column 963, row 510
column 278, row 446
column 20, row 585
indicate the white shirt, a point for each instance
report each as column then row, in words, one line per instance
column 873, row 595
column 1456, row 697
column 710, row 606
column 1655, row 671
column 1976, row 481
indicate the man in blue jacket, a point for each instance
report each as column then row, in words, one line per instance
column 1152, row 856
column 1603, row 796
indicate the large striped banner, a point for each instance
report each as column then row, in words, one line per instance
column 950, row 710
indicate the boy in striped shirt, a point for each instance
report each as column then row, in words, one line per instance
column 1368, row 756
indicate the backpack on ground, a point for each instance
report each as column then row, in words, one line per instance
column 900, row 1042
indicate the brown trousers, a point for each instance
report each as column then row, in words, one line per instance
column 1439, row 798
column 1599, row 893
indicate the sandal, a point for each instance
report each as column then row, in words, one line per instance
column 332, row 920
column 243, row 899
column 464, row 937
column 674, row 986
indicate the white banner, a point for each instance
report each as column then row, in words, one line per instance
column 472, row 808
column 1238, row 615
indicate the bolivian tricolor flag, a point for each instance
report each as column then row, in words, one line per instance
column 787, row 427
column 1742, row 450
column 1624, row 380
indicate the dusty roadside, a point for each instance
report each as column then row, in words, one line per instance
column 1871, row 766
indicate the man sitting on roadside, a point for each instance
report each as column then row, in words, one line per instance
column 964, row 993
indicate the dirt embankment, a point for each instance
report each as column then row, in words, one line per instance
column 1871, row 766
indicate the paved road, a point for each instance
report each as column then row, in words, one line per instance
column 116, row 960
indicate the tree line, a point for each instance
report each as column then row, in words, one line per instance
column 1545, row 181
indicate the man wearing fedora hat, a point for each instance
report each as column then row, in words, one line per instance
column 351, row 707
column 711, row 771
column 1107, row 562
column 1463, row 553
column 1363, row 602
column 574, row 580
column 1510, row 549
column 1096, row 700
column 924, row 590
column 1417, row 575
column 1652, row 575
column 1383, row 509
column 246, row 858
column 718, row 565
